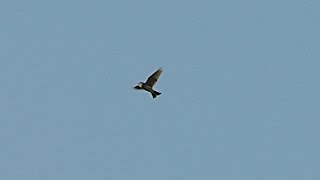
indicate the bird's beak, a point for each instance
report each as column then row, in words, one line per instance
column 137, row 87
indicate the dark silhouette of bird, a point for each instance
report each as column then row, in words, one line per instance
column 151, row 81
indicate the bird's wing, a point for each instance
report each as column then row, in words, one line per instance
column 154, row 78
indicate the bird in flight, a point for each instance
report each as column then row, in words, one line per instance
column 151, row 81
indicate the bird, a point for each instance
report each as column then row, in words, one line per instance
column 151, row 81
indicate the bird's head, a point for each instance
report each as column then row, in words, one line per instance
column 139, row 86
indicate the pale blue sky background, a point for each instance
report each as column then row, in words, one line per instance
column 240, row 90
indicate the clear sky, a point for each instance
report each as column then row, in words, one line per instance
column 240, row 90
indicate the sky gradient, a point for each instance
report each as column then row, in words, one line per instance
column 240, row 90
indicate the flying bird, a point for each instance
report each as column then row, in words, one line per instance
column 151, row 81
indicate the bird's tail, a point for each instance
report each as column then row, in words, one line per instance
column 155, row 94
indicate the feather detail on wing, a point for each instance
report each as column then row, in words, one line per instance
column 154, row 78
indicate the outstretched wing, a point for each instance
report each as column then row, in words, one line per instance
column 154, row 78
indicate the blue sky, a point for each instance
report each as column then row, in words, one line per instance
column 240, row 90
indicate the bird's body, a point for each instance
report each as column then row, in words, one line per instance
column 151, row 81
